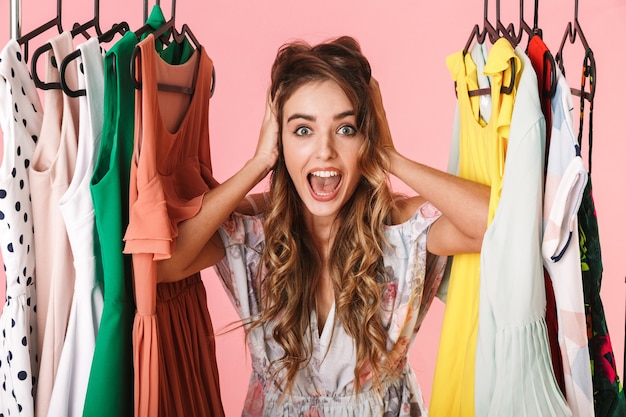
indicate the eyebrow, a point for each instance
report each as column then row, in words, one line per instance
column 312, row 118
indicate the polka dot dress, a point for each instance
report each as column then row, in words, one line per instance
column 20, row 117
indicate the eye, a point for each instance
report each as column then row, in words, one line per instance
column 347, row 130
column 303, row 131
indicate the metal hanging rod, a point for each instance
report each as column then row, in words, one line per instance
column 16, row 19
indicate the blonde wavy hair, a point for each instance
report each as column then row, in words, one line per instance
column 290, row 259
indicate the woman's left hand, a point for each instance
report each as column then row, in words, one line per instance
column 381, row 117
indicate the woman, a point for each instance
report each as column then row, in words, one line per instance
column 328, row 271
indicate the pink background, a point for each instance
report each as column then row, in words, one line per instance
column 407, row 43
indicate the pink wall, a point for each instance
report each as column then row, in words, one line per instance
column 407, row 43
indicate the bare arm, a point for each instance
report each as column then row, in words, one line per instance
column 464, row 204
column 198, row 244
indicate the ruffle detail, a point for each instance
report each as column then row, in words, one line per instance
column 522, row 360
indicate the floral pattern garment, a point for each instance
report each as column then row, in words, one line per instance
column 608, row 392
column 325, row 387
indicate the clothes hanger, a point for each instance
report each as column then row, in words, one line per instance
column 549, row 62
column 54, row 22
column 77, row 29
column 93, row 23
column 573, row 31
column 589, row 72
column 493, row 33
column 524, row 28
column 165, row 38
column 505, row 32
column 168, row 30
column 105, row 37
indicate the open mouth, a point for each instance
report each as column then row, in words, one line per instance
column 324, row 183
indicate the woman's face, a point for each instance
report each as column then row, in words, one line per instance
column 320, row 146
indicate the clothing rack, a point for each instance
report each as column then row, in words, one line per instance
column 573, row 29
column 16, row 19
column 15, row 13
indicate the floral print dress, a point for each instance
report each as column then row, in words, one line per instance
column 325, row 386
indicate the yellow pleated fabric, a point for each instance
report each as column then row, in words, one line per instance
column 482, row 150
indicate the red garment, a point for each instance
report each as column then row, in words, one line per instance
column 537, row 52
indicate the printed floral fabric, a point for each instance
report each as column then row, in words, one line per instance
column 608, row 393
column 325, row 386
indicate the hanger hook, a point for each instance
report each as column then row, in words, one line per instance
column 59, row 8
column 56, row 21
column 497, row 11
column 96, row 16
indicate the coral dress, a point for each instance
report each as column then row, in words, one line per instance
column 170, row 173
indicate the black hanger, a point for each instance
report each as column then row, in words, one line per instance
column 505, row 32
column 589, row 72
column 168, row 30
column 107, row 36
column 56, row 21
column 38, row 52
column 77, row 29
column 93, row 23
column 573, row 31
column 493, row 33
column 524, row 28
column 548, row 58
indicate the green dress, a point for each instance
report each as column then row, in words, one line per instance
column 110, row 391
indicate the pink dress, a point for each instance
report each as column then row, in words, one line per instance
column 51, row 172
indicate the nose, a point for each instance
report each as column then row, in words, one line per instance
column 326, row 147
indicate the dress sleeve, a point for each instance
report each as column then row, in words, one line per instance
column 414, row 275
column 243, row 240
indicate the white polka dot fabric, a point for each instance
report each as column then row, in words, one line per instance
column 20, row 117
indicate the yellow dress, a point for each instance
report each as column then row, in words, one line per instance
column 482, row 150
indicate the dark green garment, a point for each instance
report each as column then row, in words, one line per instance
column 608, row 393
column 110, row 391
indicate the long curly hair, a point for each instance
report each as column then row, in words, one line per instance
column 291, row 262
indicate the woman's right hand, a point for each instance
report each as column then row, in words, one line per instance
column 267, row 147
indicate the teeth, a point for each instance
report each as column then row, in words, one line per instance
column 325, row 174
